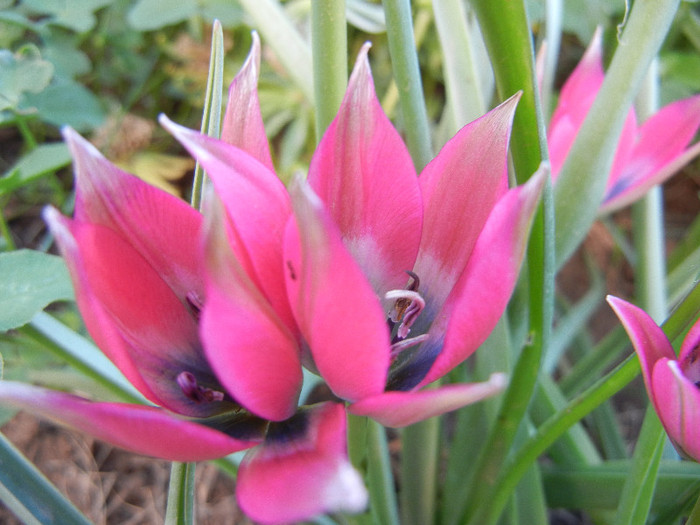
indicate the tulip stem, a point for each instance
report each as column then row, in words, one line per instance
column 180, row 508
column 638, row 490
column 380, row 479
column 419, row 455
column 404, row 59
column 329, row 51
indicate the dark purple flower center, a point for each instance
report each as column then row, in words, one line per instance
column 196, row 392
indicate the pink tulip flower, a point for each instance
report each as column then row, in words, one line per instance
column 195, row 315
column 671, row 382
column 646, row 155
column 393, row 279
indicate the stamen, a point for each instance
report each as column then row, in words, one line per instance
column 195, row 303
column 400, row 346
column 409, row 304
column 195, row 392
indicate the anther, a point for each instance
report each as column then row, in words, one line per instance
column 400, row 346
column 195, row 392
column 407, row 307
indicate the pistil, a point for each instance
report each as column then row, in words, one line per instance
column 196, row 392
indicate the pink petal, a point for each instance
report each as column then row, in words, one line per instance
column 142, row 429
column 243, row 125
column 648, row 339
column 133, row 315
column 363, row 172
column 303, row 472
column 253, row 353
column 575, row 100
column 460, row 188
column 337, row 311
column 400, row 409
column 161, row 227
column 677, row 402
column 482, row 293
column 659, row 152
column 258, row 207
column 689, row 353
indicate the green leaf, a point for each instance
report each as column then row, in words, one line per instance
column 365, row 16
column 67, row 103
column 29, row 494
column 20, row 73
column 43, row 159
column 78, row 15
column 147, row 15
column 30, row 281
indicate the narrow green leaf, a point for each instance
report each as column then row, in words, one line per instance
column 281, row 35
column 32, row 491
column 30, row 281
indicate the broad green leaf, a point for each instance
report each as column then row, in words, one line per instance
column 147, row 15
column 67, row 103
column 21, row 73
column 43, row 159
column 61, row 50
column 30, row 281
column 229, row 13
column 78, row 15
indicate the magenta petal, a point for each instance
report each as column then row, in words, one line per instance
column 257, row 205
column 243, row 125
column 480, row 296
column 252, row 352
column 162, row 228
column 460, row 188
column 648, row 339
column 299, row 474
column 142, row 429
column 677, row 402
column 400, row 409
column 575, row 100
column 98, row 321
column 659, row 153
column 134, row 316
column 363, row 172
column 337, row 311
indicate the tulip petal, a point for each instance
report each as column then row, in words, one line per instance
column 677, row 402
column 162, row 228
column 480, row 296
column 363, row 172
column 257, row 204
column 252, row 352
column 659, row 152
column 575, row 100
column 460, row 188
column 648, row 339
column 690, row 351
column 301, row 470
column 142, row 429
column 337, row 311
column 243, row 125
column 140, row 323
column 400, row 409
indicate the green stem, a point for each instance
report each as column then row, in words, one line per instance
column 6, row 233
column 582, row 180
column 180, row 508
column 399, row 28
column 419, row 472
column 27, row 135
column 330, row 52
column 380, row 478
column 651, row 292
